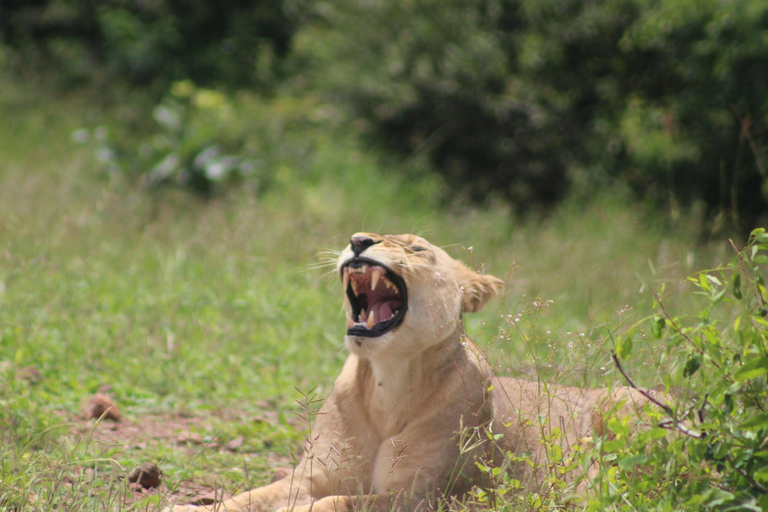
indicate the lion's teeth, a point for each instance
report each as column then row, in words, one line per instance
column 370, row 323
column 375, row 275
column 350, row 322
column 354, row 287
column 345, row 283
column 361, row 317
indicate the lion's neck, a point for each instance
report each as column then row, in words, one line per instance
column 395, row 385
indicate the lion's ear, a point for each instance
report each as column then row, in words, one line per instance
column 477, row 289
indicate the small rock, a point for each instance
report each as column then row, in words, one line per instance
column 234, row 444
column 29, row 374
column 146, row 475
column 99, row 406
column 188, row 437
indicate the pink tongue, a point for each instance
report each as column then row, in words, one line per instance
column 386, row 309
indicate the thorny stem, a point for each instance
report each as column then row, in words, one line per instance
column 667, row 409
column 682, row 428
column 755, row 485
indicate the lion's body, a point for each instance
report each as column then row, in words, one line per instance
column 409, row 415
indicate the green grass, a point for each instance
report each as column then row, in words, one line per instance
column 190, row 307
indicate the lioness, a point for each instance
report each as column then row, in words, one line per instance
column 410, row 413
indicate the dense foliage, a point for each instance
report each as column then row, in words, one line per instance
column 527, row 100
column 230, row 42
column 718, row 455
column 526, row 97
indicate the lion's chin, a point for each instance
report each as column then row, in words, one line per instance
column 363, row 346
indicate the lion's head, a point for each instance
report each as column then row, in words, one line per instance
column 403, row 288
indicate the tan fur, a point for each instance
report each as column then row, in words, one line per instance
column 407, row 418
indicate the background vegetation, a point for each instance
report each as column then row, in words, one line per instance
column 173, row 175
column 524, row 100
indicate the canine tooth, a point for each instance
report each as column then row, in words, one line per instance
column 345, row 284
column 375, row 275
column 371, row 322
column 350, row 322
column 354, row 287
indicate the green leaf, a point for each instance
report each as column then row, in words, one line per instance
column 712, row 336
column 720, row 450
column 714, row 280
column 720, row 295
column 628, row 462
column 692, row 365
column 718, row 497
column 728, row 403
column 761, row 420
column 757, row 232
column 653, row 433
column 658, row 326
column 624, row 347
column 613, row 445
column 736, row 288
column 618, row 427
column 752, row 369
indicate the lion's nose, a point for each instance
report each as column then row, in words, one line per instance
column 359, row 243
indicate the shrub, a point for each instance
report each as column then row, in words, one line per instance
column 526, row 98
column 708, row 448
column 235, row 42
column 204, row 140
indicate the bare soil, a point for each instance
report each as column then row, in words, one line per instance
column 115, row 439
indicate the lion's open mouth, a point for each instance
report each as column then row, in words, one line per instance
column 377, row 295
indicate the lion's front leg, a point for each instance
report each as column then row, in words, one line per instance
column 369, row 503
column 287, row 493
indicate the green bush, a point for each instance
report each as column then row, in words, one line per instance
column 234, row 43
column 204, row 140
column 709, row 447
column 526, row 98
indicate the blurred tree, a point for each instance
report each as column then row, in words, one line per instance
column 229, row 42
column 526, row 100
column 530, row 98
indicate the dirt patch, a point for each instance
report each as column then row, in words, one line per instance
column 155, row 432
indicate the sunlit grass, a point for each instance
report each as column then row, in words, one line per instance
column 182, row 305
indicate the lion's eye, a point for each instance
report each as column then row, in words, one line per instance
column 417, row 248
